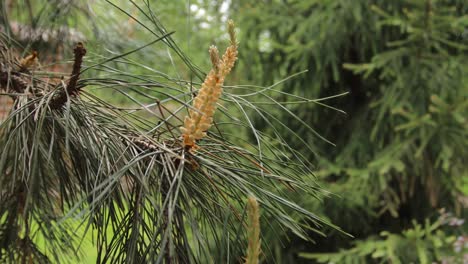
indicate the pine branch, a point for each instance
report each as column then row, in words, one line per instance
column 71, row 89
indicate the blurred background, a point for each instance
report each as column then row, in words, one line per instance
column 391, row 142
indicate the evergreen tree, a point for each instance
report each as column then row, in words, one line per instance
column 145, row 189
column 401, row 148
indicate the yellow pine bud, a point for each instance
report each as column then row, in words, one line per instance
column 29, row 61
column 214, row 56
column 230, row 56
column 232, row 32
column 253, row 231
column 200, row 117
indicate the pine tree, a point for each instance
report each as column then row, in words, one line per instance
column 70, row 161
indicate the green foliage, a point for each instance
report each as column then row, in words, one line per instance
column 423, row 244
column 401, row 149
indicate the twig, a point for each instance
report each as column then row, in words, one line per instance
column 71, row 88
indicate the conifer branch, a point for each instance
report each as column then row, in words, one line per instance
column 71, row 88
